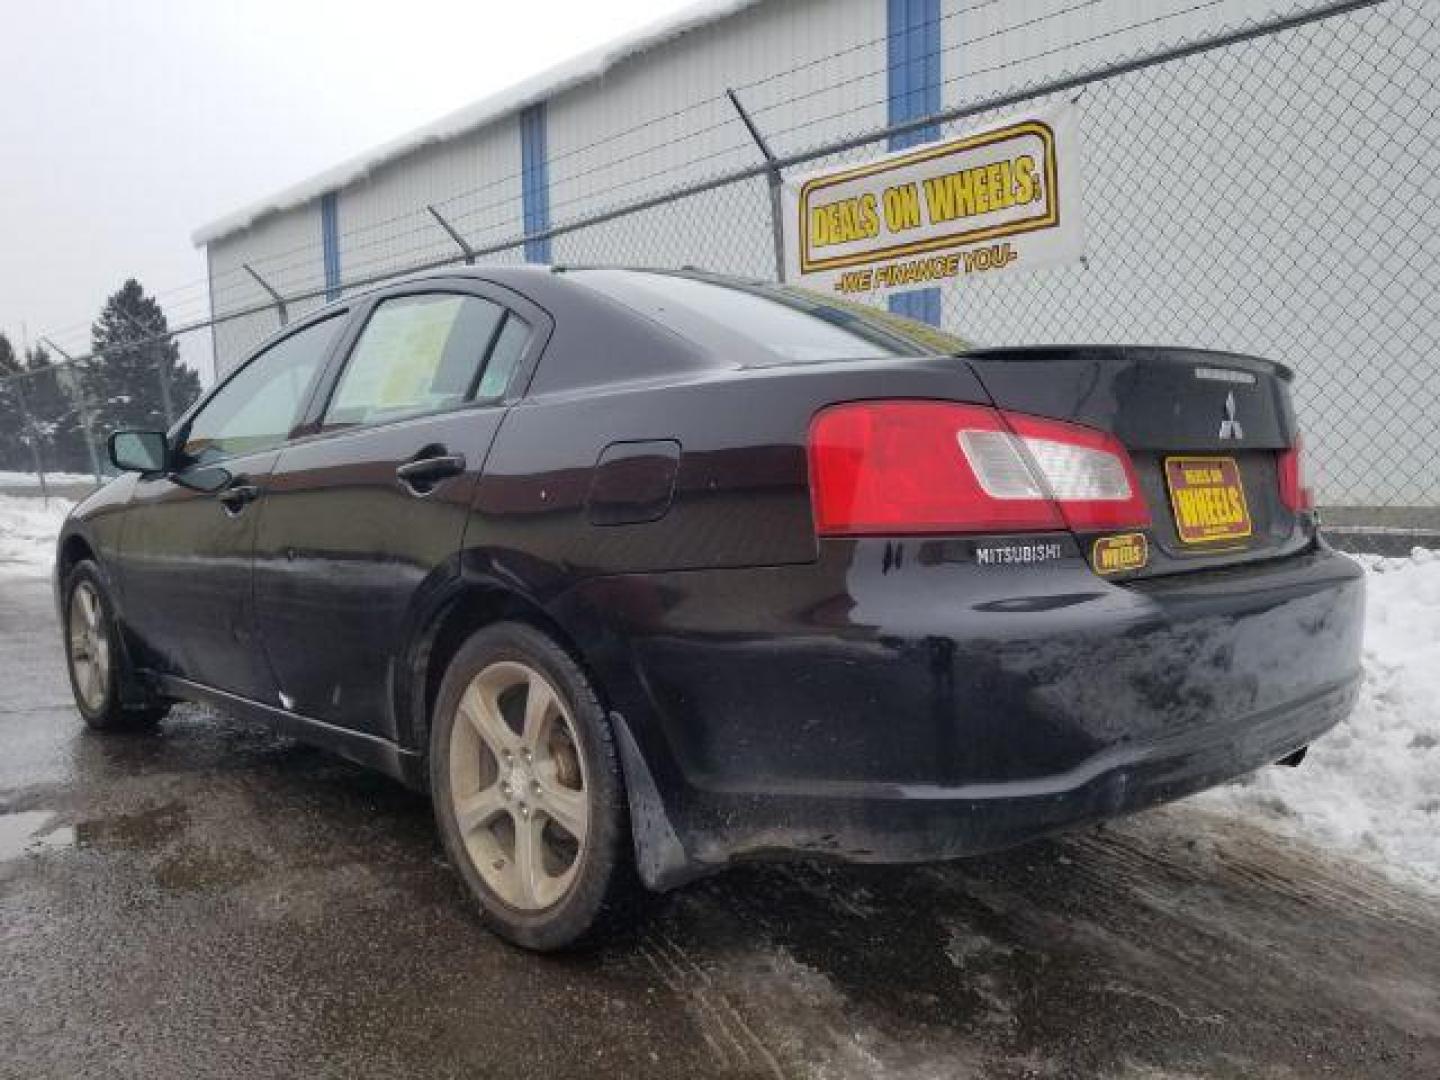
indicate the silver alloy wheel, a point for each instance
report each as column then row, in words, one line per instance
column 89, row 646
column 518, row 785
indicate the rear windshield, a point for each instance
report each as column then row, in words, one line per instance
column 792, row 325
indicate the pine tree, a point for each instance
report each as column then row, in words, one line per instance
column 133, row 373
column 14, row 453
column 52, row 396
column 8, row 364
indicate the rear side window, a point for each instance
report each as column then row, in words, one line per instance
column 257, row 409
column 504, row 357
column 791, row 324
column 417, row 355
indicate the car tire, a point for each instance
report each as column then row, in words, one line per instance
column 528, row 792
column 107, row 694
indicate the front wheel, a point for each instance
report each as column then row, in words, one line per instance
column 527, row 789
column 105, row 692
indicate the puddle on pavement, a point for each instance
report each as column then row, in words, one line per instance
column 140, row 831
column 180, row 868
column 30, row 831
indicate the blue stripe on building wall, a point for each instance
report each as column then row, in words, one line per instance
column 330, row 242
column 913, row 59
column 534, row 182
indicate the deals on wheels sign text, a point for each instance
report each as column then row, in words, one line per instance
column 999, row 199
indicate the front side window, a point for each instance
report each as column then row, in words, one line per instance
column 257, row 409
column 420, row 354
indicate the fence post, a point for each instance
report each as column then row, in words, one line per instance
column 34, row 440
column 164, row 377
column 468, row 251
column 279, row 300
column 777, row 209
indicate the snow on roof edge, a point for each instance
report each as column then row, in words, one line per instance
column 583, row 68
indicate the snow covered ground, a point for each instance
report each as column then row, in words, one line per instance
column 28, row 527
column 10, row 479
column 1369, row 789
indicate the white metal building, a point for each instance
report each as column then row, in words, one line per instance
column 1175, row 254
column 648, row 114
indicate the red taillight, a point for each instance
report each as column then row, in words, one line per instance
column 1294, row 492
column 897, row 467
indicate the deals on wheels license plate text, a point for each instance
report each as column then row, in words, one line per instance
column 1208, row 498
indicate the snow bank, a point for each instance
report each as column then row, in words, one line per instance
column 542, row 87
column 28, row 528
column 30, row 479
column 1372, row 787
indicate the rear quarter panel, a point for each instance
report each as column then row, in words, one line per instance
column 741, row 492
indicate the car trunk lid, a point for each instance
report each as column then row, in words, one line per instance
column 1204, row 430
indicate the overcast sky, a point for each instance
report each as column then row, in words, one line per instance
column 125, row 125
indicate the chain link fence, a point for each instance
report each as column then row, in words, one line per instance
column 1272, row 189
column 1281, row 197
column 55, row 413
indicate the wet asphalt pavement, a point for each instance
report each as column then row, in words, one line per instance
column 213, row 901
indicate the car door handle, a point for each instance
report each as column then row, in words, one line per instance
column 238, row 496
column 422, row 474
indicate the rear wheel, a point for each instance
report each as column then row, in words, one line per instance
column 106, row 693
column 527, row 789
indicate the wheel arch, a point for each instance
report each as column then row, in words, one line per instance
column 450, row 623
column 137, row 695
column 75, row 548
column 660, row 856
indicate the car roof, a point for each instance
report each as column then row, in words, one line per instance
column 599, row 339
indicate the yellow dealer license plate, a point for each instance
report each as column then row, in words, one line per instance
column 1208, row 499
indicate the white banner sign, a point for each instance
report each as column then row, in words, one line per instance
column 992, row 201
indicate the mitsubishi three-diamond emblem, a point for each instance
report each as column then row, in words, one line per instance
column 1230, row 427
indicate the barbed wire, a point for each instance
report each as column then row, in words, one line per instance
column 271, row 264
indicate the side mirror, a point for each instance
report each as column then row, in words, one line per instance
column 138, row 451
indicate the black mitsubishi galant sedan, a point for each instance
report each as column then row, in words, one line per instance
column 641, row 573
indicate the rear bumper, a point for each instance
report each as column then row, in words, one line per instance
column 896, row 701
column 923, row 823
